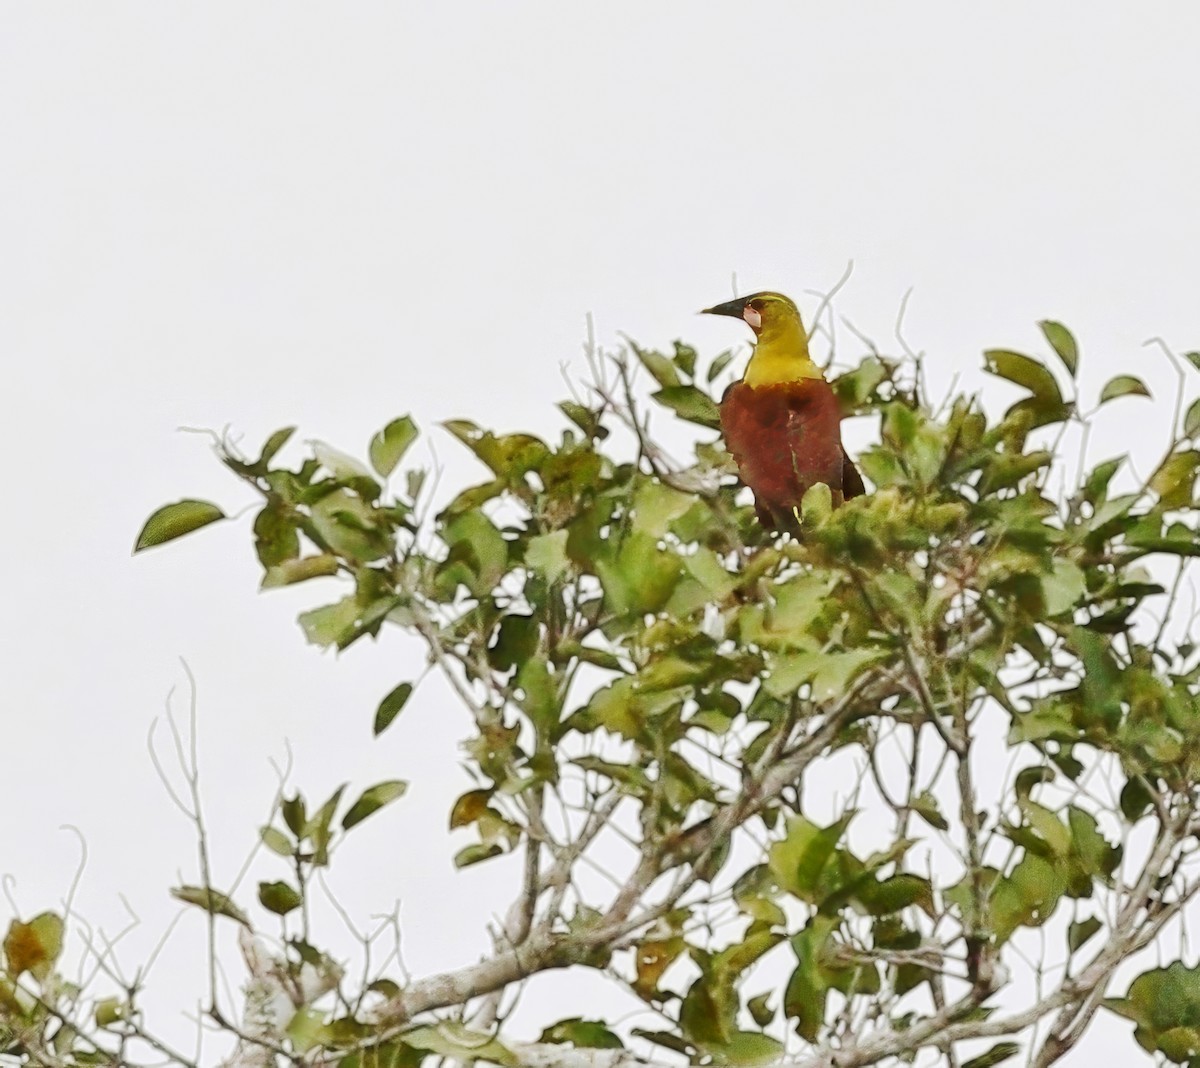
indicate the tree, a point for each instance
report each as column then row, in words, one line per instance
column 1004, row 690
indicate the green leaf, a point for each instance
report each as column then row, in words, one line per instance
column 414, row 479
column 343, row 466
column 1102, row 681
column 1081, row 931
column 830, row 674
column 1064, row 587
column 469, row 807
column 583, row 1034
column 476, row 542
column 212, row 901
column 317, row 829
column 108, row 1011
column 652, row 957
column 539, row 695
column 691, row 404
column 1063, row 342
column 1112, row 510
column 508, row 456
column 1123, row 385
column 807, row 990
column 798, row 861
column 331, row 623
column 174, row 520
column 388, row 447
column 1092, row 855
column 623, row 709
column 451, row 1039
column 547, row 554
column 1178, row 540
column 747, row 1048
column 854, row 389
column 963, row 897
column 275, row 536
column 718, row 365
column 389, row 708
column 918, row 444
column 1027, row 897
column 1005, row 470
column 1191, row 421
column 372, row 800
column 639, row 577
column 667, row 1040
column 1050, row 720
column 925, row 805
column 1180, row 1044
column 587, row 419
column 896, row 893
column 295, row 814
column 760, row 1010
column 277, row 842
column 279, row 897
column 306, row 1029
column 734, row 959
column 479, row 851
column 1050, row 829
column 1028, row 778
column 998, row 1054
column 345, row 1031
column 1165, row 1005
column 1175, row 479
column 662, row 368
column 387, row 988
column 685, row 358
column 349, row 526
column 1095, row 486
column 513, row 642
column 34, row 947
column 817, row 505
column 273, row 444
column 290, row 572
column 707, row 1013
column 1136, row 799
column 794, row 619
column 1032, row 374
column 657, row 506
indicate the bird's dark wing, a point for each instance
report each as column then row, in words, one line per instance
column 852, row 483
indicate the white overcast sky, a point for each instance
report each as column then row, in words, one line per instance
column 329, row 215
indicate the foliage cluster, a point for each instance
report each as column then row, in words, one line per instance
column 659, row 689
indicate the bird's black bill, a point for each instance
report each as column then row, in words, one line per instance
column 730, row 307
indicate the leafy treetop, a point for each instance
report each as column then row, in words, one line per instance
column 641, row 661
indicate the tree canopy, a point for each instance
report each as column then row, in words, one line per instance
column 985, row 656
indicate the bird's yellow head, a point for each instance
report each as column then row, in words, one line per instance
column 781, row 352
column 767, row 314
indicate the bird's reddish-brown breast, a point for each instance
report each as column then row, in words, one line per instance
column 786, row 438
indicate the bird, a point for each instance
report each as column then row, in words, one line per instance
column 781, row 421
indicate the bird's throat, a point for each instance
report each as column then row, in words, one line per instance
column 781, row 358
